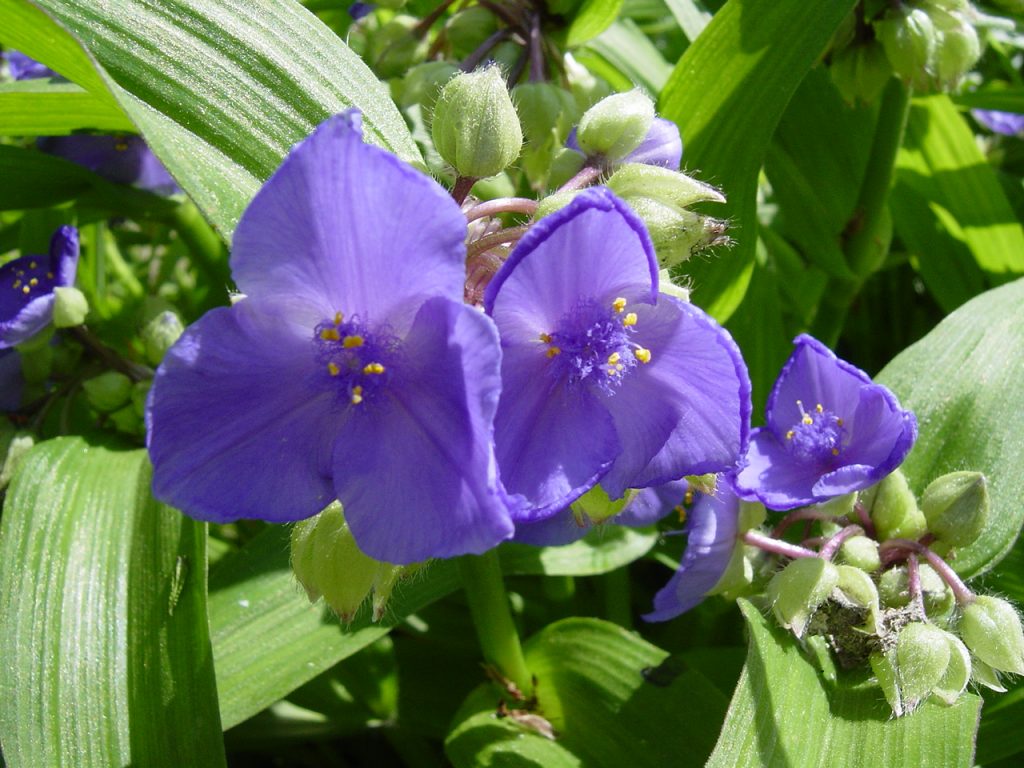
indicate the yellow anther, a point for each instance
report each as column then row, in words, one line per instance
column 553, row 351
column 619, row 304
column 835, row 451
column 819, row 409
column 546, row 338
column 33, row 282
column 352, row 341
column 20, row 273
column 333, row 369
column 330, row 334
column 357, row 395
column 338, row 317
column 839, row 422
column 642, row 354
column 807, row 419
column 789, row 435
column 373, row 368
column 49, row 275
column 613, row 358
column 31, row 265
column 620, row 368
column 629, row 319
column 17, row 283
column 680, row 510
column 25, row 289
column 121, row 146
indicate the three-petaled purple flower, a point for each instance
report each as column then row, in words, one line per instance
column 604, row 379
column 27, row 285
column 351, row 369
column 830, row 431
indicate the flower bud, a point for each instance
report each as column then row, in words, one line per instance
column 798, row 589
column 160, row 334
column 671, row 187
column 958, row 673
column 108, row 392
column 476, row 129
column 544, row 109
column 616, row 125
column 856, row 587
column 555, row 202
column 565, row 164
column 909, row 39
column 468, row 29
column 36, row 361
column 885, row 673
column 677, row 233
column 983, row 674
column 860, row 72
column 860, row 552
column 328, row 563
column 127, row 420
column 991, row 628
column 922, row 658
column 894, row 590
column 893, row 509
column 69, row 306
column 958, row 47
column 956, row 507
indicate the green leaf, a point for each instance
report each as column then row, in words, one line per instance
column 593, row 18
column 998, row 99
column 784, row 714
column 268, row 640
column 103, row 631
column 595, row 682
column 690, row 15
column 963, row 381
column 220, row 90
column 727, row 94
column 631, row 55
column 941, row 162
column 48, row 108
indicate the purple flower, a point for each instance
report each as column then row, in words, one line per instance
column 831, row 431
column 351, row 369
column 1007, row 123
column 712, row 527
column 604, row 379
column 359, row 10
column 662, row 146
column 120, row 159
column 26, row 287
column 24, row 68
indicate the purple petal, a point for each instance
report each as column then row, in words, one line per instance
column 652, row 504
column 662, row 146
column 345, row 226
column 687, row 411
column 553, row 442
column 1007, row 123
column 595, row 247
column 238, row 426
column 24, row 68
column 11, row 381
column 416, row 474
column 712, row 527
column 556, row 531
column 771, row 475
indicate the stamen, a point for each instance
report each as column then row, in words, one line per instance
column 338, row 318
column 807, row 419
column 357, row 395
column 619, row 305
column 839, row 422
column 613, row 358
column 25, row 289
column 789, row 435
column 121, row 146
column 819, row 409
column 49, row 275
column 642, row 354
column 333, row 369
column 376, row 368
column 835, row 451
column 349, row 342
column 330, row 334
column 629, row 319
column 553, row 351
column 31, row 265
column 33, row 282
column 546, row 338
column 17, row 283
column 680, row 511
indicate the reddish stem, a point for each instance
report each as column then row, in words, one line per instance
column 486, row 242
column 961, row 591
column 587, row 175
column 776, row 547
column 502, row 205
column 463, row 184
column 829, row 548
column 914, row 582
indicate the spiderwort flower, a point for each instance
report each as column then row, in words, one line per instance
column 830, row 431
column 1006, row 123
column 351, row 369
column 662, row 146
column 27, row 284
column 604, row 380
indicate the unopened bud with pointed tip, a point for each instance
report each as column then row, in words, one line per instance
column 909, row 39
column 677, row 233
column 991, row 628
column 860, row 552
column 922, row 658
column 798, row 589
column 662, row 184
column 616, row 125
column 893, row 509
column 476, row 129
column 958, row 48
column 108, row 392
column 956, row 507
column 958, row 673
column 160, row 334
column 885, row 673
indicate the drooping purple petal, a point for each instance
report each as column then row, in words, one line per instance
column 553, row 443
column 416, row 471
column 557, row 530
column 120, row 159
column 713, row 526
column 1006, row 123
column 26, row 287
column 662, row 146
column 238, row 424
column 24, row 68
column 345, row 226
column 595, row 247
column 687, row 411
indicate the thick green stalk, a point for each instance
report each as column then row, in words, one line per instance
column 492, row 617
column 868, row 243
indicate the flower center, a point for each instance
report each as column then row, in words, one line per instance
column 818, row 436
column 592, row 342
column 28, row 276
column 357, row 360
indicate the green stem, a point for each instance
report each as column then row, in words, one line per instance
column 489, row 606
column 208, row 250
column 867, row 245
column 616, row 597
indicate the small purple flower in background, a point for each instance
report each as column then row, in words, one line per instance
column 351, row 370
column 830, row 431
column 1006, row 123
column 713, row 528
column 604, row 379
column 120, row 159
column 26, row 287
column 662, row 146
column 359, row 10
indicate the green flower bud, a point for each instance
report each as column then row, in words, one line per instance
column 922, row 658
column 69, row 306
column 860, row 552
column 677, row 233
column 555, row 202
column 856, row 587
column 423, row 83
column 956, row 507
column 108, row 391
column 893, row 509
column 838, row 506
column 616, row 125
column 565, row 164
column 894, row 590
column 958, row 47
column 991, row 628
column 544, row 109
column 983, row 674
column 476, row 129
column 468, row 28
column 798, row 589
column 328, row 563
column 633, row 180
column 958, row 673
column 909, row 39
column 885, row 673
column 127, row 420
column 140, row 391
column 36, row 362
column 159, row 334
column 860, row 72
column 394, row 49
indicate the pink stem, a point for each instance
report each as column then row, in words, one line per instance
column 829, row 548
column 486, row 242
column 961, row 591
column 587, row 175
column 768, row 544
column 914, row 582
column 463, row 184
column 865, row 519
column 502, row 205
